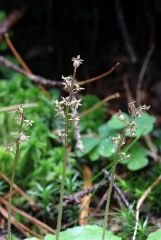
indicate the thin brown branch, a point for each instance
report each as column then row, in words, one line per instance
column 18, row 189
column 16, row 54
column 29, row 217
column 93, row 79
column 98, row 105
column 10, row 21
column 118, row 190
column 48, row 82
column 34, row 78
column 21, row 227
column 76, row 197
column 124, row 31
column 127, row 89
column 142, row 73
column 21, row 61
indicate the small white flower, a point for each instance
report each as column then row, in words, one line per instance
column 77, row 61
column 61, row 133
column 118, row 140
column 10, row 148
column 23, row 138
column 28, row 122
column 124, row 156
column 76, row 103
column 19, row 109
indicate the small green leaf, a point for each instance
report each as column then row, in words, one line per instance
column 89, row 143
column 155, row 236
column 138, row 157
column 106, row 148
column 105, row 131
column 88, row 232
column 145, row 124
column 115, row 123
column 94, row 154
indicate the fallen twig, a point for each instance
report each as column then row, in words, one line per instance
column 21, row 227
column 140, row 202
column 124, row 31
column 19, row 190
column 98, row 105
column 29, row 217
column 93, row 79
column 76, row 197
column 142, row 73
column 9, row 22
column 33, row 77
column 118, row 190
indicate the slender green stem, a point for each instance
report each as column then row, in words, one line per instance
column 12, row 180
column 11, row 191
column 109, row 198
column 63, row 178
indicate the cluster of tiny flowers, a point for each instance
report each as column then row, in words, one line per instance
column 71, row 102
column 130, row 127
column 123, row 156
column 119, row 141
column 22, row 137
column 137, row 111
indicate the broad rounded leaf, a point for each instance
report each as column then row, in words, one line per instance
column 106, row 148
column 115, row 123
column 89, row 232
column 88, row 143
column 138, row 157
column 155, row 236
column 145, row 124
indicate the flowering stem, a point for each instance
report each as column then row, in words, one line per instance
column 113, row 170
column 12, row 180
column 109, row 198
column 58, row 228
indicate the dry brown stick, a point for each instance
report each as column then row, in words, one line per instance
column 14, row 107
column 29, row 217
column 16, row 54
column 118, row 190
column 100, row 76
column 96, row 106
column 153, row 149
column 124, row 32
column 21, row 61
column 142, row 73
column 21, row 227
column 48, row 82
column 76, row 197
column 140, row 202
column 9, row 22
column 34, row 78
column 18, row 189
column 127, row 89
